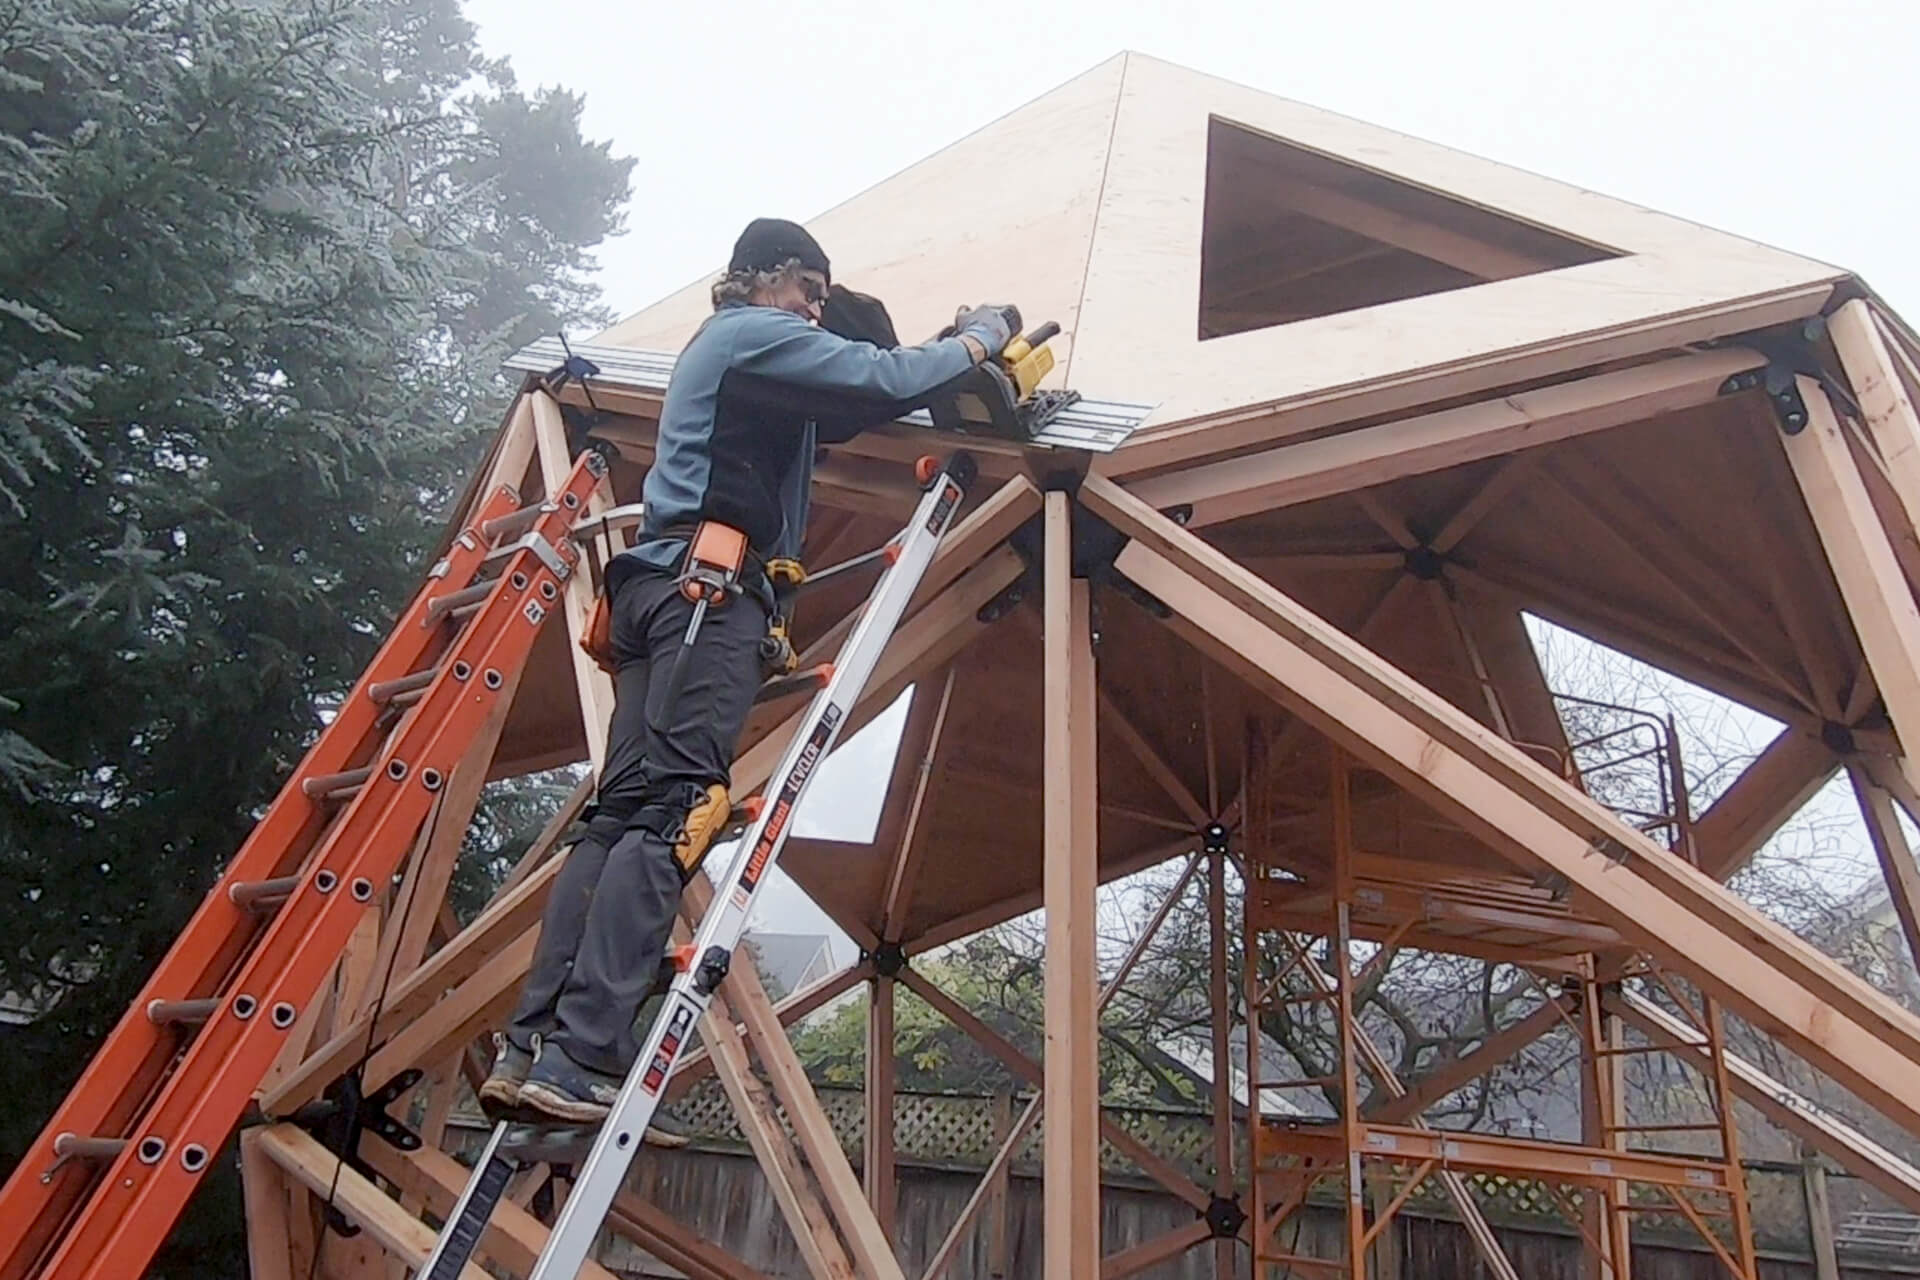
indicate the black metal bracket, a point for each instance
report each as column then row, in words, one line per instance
column 1426, row 564
column 1224, row 1216
column 1838, row 738
column 344, row 1113
column 888, row 959
column 1213, row 838
column 1790, row 355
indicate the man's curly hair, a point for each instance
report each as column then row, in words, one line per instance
column 739, row 286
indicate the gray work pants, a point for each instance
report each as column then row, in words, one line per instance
column 611, row 912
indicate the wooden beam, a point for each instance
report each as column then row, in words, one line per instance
column 1777, row 785
column 1072, row 1080
column 940, row 630
column 513, row 1237
column 1692, row 923
column 867, row 1245
column 1854, row 1150
column 263, row 1191
column 904, row 873
column 876, row 1166
column 1460, row 250
column 1887, row 409
column 1813, row 1190
column 1452, row 1076
column 1877, row 596
column 323, row 1173
column 697, row 1066
column 1360, row 459
column 825, row 1256
column 1151, row 1253
column 594, row 685
column 1890, row 846
column 1113, row 720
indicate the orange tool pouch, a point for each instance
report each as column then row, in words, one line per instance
column 597, row 640
column 716, row 554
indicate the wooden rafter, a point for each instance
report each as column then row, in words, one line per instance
column 1856, row 1034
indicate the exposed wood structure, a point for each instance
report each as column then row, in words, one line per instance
column 1401, row 399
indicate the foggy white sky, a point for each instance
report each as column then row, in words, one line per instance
column 1754, row 116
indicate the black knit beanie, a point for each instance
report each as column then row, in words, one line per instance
column 768, row 242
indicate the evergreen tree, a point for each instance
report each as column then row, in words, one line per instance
column 261, row 261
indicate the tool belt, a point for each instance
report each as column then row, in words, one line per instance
column 713, row 567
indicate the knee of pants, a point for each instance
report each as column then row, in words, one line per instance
column 688, row 823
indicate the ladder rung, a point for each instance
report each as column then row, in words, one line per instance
column 515, row 523
column 390, row 690
column 336, row 786
column 182, row 1012
column 458, row 603
column 263, row 893
column 71, row 1146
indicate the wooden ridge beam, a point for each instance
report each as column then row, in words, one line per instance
column 1695, row 925
column 1354, row 460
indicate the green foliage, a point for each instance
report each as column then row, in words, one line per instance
column 262, row 259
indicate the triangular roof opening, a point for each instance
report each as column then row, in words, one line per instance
column 1292, row 234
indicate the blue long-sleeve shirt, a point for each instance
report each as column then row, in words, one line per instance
column 752, row 397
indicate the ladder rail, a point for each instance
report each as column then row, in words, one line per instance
column 123, row 1074
column 601, row 1175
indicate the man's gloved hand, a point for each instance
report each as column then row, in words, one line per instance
column 991, row 326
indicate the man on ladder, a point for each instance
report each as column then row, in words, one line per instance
column 757, row 390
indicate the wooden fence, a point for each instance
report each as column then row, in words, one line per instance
column 943, row 1141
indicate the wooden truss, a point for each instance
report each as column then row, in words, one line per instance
column 1527, row 869
column 1697, row 450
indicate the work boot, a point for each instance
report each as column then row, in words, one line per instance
column 562, row 1090
column 500, row 1092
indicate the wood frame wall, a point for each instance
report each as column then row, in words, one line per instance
column 452, row 984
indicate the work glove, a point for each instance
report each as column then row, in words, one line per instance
column 991, row 326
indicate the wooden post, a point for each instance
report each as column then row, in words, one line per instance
column 1341, row 939
column 1072, row 1076
column 877, row 1168
column 595, row 685
column 999, row 1258
column 1813, row 1187
column 1876, row 593
column 1223, row 1248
